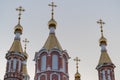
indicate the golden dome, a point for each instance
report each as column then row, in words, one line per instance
column 104, row 58
column 52, row 42
column 103, row 40
column 52, row 23
column 16, row 47
column 77, row 75
column 18, row 28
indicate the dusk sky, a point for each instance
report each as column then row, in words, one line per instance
column 77, row 31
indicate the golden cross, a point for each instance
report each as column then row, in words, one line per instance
column 52, row 5
column 101, row 25
column 77, row 60
column 20, row 9
column 25, row 41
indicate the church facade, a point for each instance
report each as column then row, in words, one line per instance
column 51, row 61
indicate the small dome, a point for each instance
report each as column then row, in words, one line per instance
column 18, row 28
column 77, row 75
column 52, row 23
column 25, row 54
column 103, row 40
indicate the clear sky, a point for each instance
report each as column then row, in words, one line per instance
column 77, row 31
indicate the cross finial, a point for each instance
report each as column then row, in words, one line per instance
column 25, row 45
column 77, row 60
column 101, row 25
column 19, row 9
column 52, row 5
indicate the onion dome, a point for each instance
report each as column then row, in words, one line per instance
column 25, row 54
column 18, row 29
column 52, row 23
column 103, row 40
column 77, row 75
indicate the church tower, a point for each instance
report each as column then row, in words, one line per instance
column 105, row 66
column 16, row 68
column 77, row 74
column 51, row 62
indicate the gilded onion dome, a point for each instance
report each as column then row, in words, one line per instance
column 18, row 29
column 52, row 23
column 25, row 54
column 103, row 40
column 77, row 75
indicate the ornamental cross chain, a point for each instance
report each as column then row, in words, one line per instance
column 77, row 60
column 20, row 9
column 25, row 41
column 52, row 5
column 101, row 25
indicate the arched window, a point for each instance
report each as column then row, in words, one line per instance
column 103, row 75
column 64, row 64
column 14, row 64
column 43, row 62
column 108, row 72
column 19, row 68
column 17, row 65
column 9, row 65
column 55, row 62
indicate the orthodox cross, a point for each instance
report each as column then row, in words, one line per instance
column 77, row 60
column 25, row 45
column 52, row 5
column 101, row 25
column 20, row 9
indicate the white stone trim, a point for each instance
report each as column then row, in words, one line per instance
column 9, row 62
column 55, row 49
